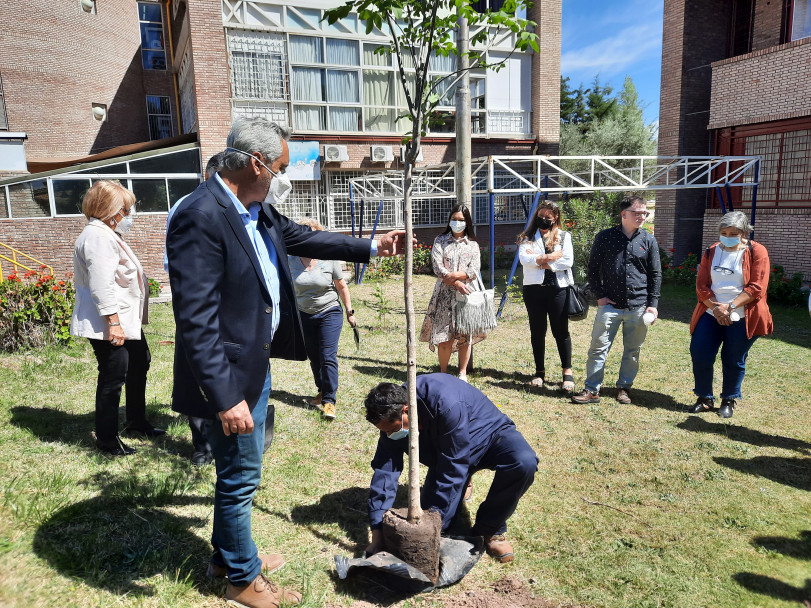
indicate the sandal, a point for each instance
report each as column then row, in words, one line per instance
column 538, row 380
column 568, row 383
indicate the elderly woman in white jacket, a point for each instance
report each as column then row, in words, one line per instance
column 547, row 256
column 112, row 296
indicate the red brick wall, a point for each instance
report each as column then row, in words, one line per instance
column 56, row 60
column 51, row 241
column 786, row 234
column 546, row 74
column 211, row 76
column 765, row 85
column 768, row 24
column 694, row 35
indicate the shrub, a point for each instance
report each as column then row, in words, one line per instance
column 784, row 290
column 154, row 288
column 504, row 259
column 681, row 274
column 584, row 218
column 384, row 268
column 35, row 310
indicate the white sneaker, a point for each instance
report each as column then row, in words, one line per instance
column 463, row 378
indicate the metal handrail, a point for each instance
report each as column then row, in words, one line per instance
column 13, row 260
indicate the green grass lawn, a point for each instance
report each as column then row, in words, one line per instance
column 639, row 505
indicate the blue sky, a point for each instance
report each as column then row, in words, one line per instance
column 612, row 38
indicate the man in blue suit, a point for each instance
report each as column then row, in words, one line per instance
column 461, row 432
column 235, row 308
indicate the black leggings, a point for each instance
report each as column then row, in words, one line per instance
column 548, row 300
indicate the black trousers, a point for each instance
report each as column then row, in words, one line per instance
column 544, row 301
column 120, row 365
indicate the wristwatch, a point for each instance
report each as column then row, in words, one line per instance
column 731, row 307
column 349, row 313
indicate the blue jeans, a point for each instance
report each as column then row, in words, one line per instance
column 321, row 333
column 238, row 460
column 708, row 337
column 606, row 325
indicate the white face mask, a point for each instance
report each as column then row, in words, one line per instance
column 280, row 185
column 458, row 226
column 123, row 226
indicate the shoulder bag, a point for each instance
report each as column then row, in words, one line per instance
column 475, row 312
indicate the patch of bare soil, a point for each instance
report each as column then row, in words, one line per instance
column 504, row 593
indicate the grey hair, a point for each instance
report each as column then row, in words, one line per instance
column 737, row 220
column 214, row 164
column 253, row 134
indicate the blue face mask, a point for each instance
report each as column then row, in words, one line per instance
column 401, row 434
column 730, row 241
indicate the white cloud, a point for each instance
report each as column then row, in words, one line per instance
column 615, row 54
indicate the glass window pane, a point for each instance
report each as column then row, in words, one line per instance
column 179, row 188
column 308, row 84
column 441, row 63
column 378, row 88
column 343, row 52
column 154, row 60
column 68, row 195
column 30, row 199
column 3, row 205
column 160, row 127
column 306, row 49
column 150, row 195
column 149, row 11
column 344, row 119
column 350, row 22
column 342, row 86
column 309, row 118
column 157, row 104
column 411, row 84
column 152, row 36
column 187, row 161
column 801, row 20
column 370, row 57
column 108, row 170
column 378, row 119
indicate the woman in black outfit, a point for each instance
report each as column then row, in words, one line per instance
column 546, row 254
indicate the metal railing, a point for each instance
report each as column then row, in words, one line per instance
column 14, row 253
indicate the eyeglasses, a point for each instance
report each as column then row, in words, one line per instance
column 639, row 213
column 723, row 270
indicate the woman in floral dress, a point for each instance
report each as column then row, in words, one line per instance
column 456, row 261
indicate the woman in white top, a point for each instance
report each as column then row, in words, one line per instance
column 112, row 299
column 547, row 256
column 731, row 286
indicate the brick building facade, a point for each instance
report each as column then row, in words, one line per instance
column 733, row 83
column 65, row 65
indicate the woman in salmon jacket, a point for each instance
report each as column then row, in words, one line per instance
column 731, row 312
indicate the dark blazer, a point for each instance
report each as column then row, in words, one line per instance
column 221, row 303
column 458, row 423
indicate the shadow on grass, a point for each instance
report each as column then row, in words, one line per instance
column 791, row 547
column 696, row 424
column 767, row 585
column 793, row 472
column 131, row 532
column 48, row 424
column 299, row 401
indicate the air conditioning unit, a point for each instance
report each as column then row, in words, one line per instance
column 403, row 154
column 333, row 154
column 381, row 154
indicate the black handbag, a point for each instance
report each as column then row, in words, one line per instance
column 577, row 305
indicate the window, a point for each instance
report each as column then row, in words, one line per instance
column 3, row 117
column 800, row 19
column 326, row 98
column 785, row 168
column 258, row 65
column 153, row 55
column 740, row 35
column 159, row 114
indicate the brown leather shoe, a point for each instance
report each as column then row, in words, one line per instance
column 260, row 593
column 586, row 396
column 316, row 401
column 270, row 563
column 624, row 396
column 498, row 548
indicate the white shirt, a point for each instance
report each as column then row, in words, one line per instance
column 726, row 274
column 529, row 251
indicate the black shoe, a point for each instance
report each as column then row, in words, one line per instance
column 115, row 447
column 727, row 405
column 201, row 459
column 142, row 431
column 703, row 404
